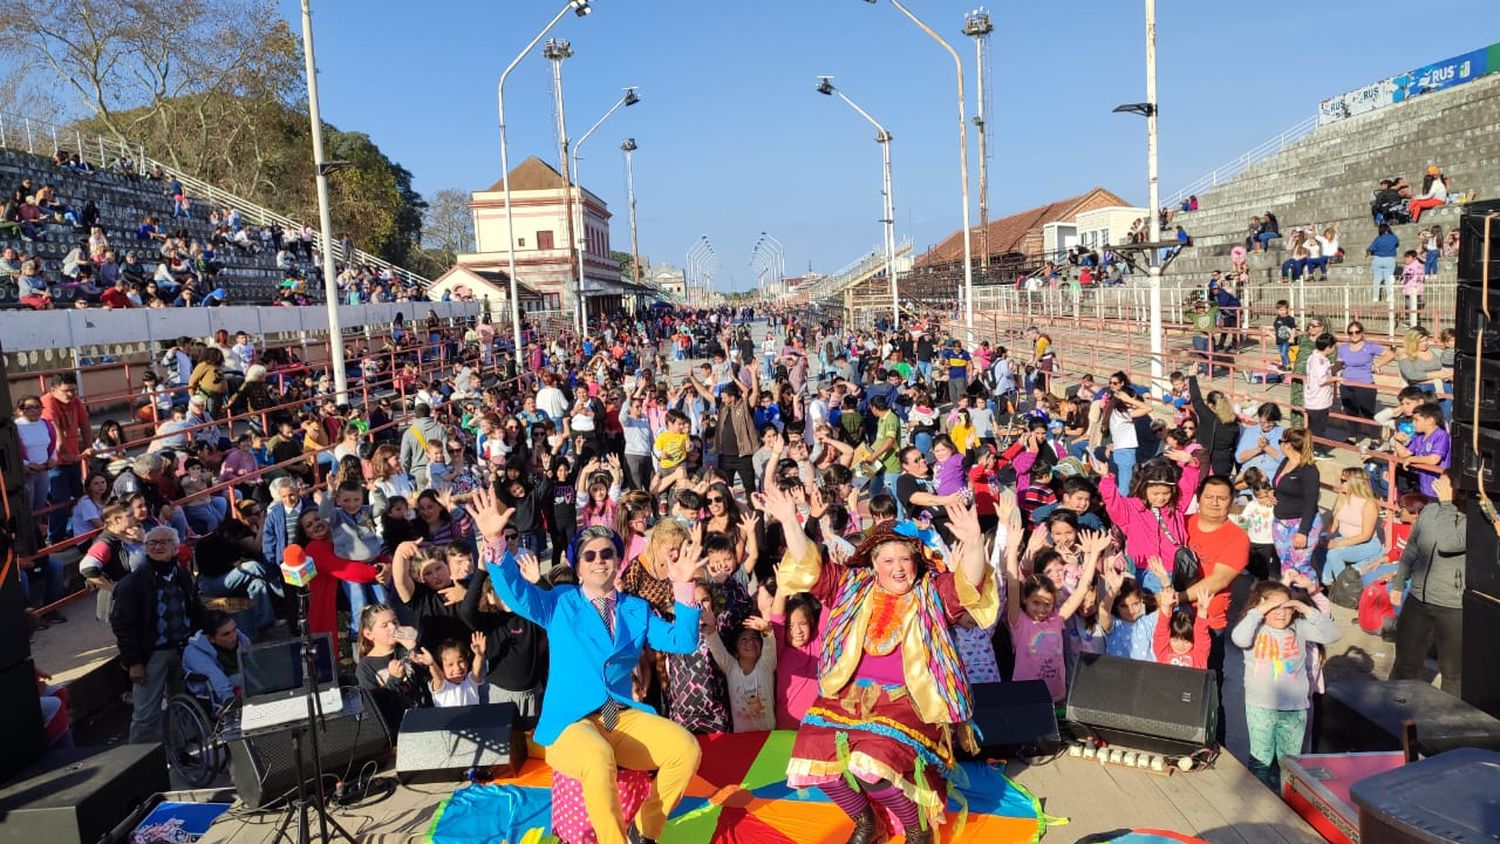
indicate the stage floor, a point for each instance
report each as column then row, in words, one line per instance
column 1224, row 805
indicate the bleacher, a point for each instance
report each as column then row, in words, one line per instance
column 1330, row 176
column 124, row 201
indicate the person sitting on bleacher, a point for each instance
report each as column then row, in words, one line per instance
column 31, row 287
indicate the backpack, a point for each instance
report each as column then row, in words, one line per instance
column 1347, row 590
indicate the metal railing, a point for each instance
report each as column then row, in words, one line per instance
column 1258, row 153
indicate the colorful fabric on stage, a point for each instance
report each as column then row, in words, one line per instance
column 739, row 796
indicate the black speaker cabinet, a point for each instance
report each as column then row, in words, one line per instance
column 1469, row 321
column 1481, row 632
column 21, row 713
column 1145, row 705
column 440, row 744
column 1482, row 555
column 1011, row 715
column 1468, row 463
column 78, row 796
column 1486, row 396
column 1365, row 714
column 1445, row 798
column 1471, row 254
column 264, row 770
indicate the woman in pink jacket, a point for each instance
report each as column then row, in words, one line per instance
column 1151, row 516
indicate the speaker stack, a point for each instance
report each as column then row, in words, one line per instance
column 1476, row 414
column 20, row 710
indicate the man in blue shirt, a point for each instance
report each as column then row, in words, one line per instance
column 1382, row 251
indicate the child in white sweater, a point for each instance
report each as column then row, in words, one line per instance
column 751, row 675
column 455, row 680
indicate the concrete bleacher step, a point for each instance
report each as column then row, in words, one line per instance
column 1329, row 177
column 124, row 202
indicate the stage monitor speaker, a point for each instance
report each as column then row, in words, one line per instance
column 1470, row 323
column 441, row 744
column 263, row 768
column 1481, row 557
column 1445, row 798
column 78, row 796
column 1363, row 714
column 1471, row 255
column 1487, row 396
column 1145, row 705
column 1481, row 631
column 1011, row 715
column 1466, row 465
column 21, row 713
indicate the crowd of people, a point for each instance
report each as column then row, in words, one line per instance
column 830, row 530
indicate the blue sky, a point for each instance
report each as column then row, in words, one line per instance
column 734, row 139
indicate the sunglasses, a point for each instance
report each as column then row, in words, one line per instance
column 31, row 407
column 511, row 536
column 604, row 555
column 716, row 499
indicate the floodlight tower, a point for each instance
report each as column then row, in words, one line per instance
column 978, row 27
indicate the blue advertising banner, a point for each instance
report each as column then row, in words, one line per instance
column 1444, row 74
column 1404, row 86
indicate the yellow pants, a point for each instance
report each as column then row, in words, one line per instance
column 641, row 741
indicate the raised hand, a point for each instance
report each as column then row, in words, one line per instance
column 488, row 517
column 757, row 624
column 689, row 562
column 531, row 567
column 477, row 643
column 963, row 522
column 1094, row 541
column 781, row 507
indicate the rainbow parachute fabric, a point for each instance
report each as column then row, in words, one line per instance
column 739, row 796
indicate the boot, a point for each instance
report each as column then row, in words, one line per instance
column 867, row 829
column 920, row 836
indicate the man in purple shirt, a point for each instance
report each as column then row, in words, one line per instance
column 1428, row 452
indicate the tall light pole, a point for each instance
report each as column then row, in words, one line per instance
column 629, row 99
column 694, row 270
column 963, row 164
column 325, row 216
column 978, row 27
column 888, row 218
column 579, row 8
column 635, row 245
column 1148, row 110
column 556, row 51
column 778, row 255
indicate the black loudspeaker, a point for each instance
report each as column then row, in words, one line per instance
column 441, row 743
column 1145, row 705
column 21, row 713
column 1471, row 254
column 1447, row 798
column 1482, row 558
column 1470, row 323
column 1481, row 632
column 263, row 768
column 79, row 796
column 1365, row 714
column 1467, row 463
column 1487, row 397
column 1010, row 715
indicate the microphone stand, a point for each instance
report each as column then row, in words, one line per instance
column 306, row 802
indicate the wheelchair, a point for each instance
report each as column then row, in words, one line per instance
column 195, row 751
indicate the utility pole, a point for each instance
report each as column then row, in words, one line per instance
column 978, row 27
column 635, row 244
column 325, row 216
column 1154, row 197
column 556, row 51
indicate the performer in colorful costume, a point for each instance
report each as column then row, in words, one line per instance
column 893, row 692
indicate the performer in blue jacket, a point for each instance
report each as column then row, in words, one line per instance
column 590, row 723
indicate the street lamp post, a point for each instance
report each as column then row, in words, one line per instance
column 579, row 8
column 888, row 219
column 694, row 270
column 963, row 164
column 778, row 271
column 635, row 245
column 1148, row 109
column 325, row 217
column 629, row 99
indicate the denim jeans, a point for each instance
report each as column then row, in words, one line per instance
column 1339, row 559
column 66, row 483
column 1265, row 238
column 163, row 679
column 1124, row 460
column 924, row 368
column 1286, row 354
column 1382, row 275
column 53, row 577
column 251, row 580
column 923, row 443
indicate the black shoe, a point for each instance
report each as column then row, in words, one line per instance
column 920, row 836
column 635, row 836
column 55, row 617
column 867, row 829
